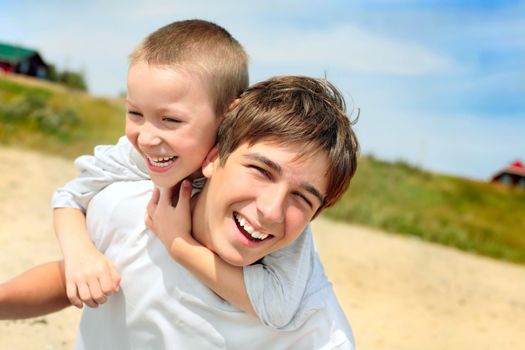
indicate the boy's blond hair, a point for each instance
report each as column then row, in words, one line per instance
column 201, row 47
column 307, row 112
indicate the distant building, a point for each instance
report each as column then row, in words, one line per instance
column 512, row 175
column 16, row 59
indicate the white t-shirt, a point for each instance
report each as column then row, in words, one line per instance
column 275, row 287
column 163, row 306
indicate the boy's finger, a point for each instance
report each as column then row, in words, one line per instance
column 185, row 194
column 71, row 291
column 85, row 295
column 155, row 196
column 100, row 299
column 148, row 221
column 175, row 192
column 106, row 284
column 115, row 279
column 165, row 196
column 183, row 205
column 152, row 204
column 95, row 289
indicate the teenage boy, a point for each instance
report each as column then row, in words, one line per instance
column 283, row 154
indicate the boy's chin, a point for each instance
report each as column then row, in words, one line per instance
column 165, row 182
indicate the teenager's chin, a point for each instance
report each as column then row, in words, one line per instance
column 235, row 261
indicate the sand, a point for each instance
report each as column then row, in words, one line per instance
column 397, row 292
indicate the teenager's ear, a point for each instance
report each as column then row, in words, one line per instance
column 228, row 109
column 209, row 162
column 234, row 104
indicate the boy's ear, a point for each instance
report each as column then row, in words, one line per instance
column 209, row 162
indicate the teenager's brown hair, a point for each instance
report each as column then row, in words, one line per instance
column 203, row 47
column 293, row 110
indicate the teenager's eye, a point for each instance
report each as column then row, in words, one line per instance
column 261, row 171
column 303, row 198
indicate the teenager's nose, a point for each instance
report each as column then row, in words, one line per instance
column 149, row 135
column 271, row 204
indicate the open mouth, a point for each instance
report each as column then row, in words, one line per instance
column 248, row 231
column 161, row 162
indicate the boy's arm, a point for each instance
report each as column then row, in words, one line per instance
column 90, row 275
column 277, row 287
column 273, row 290
column 224, row 279
column 108, row 164
column 38, row 291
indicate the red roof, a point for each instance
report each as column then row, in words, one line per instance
column 516, row 168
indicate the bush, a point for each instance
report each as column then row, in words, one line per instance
column 33, row 113
column 71, row 79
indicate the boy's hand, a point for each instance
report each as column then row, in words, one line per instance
column 90, row 278
column 165, row 220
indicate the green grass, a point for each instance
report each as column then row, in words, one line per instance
column 56, row 120
column 470, row 215
column 475, row 216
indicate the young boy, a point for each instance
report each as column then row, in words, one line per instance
column 181, row 81
column 283, row 154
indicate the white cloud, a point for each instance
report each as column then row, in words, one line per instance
column 346, row 47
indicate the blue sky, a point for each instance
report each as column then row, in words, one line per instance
column 440, row 84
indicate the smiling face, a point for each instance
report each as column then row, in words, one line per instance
column 170, row 120
column 258, row 201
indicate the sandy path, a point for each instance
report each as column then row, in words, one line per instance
column 26, row 238
column 401, row 293
column 398, row 293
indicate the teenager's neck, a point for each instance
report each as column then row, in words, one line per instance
column 199, row 228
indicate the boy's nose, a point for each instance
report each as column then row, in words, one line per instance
column 149, row 136
column 271, row 204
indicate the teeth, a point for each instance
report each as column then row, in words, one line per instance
column 161, row 162
column 248, row 228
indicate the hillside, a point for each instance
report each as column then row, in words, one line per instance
column 48, row 117
column 470, row 215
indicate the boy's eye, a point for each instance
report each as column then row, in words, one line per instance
column 172, row 120
column 135, row 113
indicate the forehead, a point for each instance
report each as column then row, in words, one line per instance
column 183, row 76
column 169, row 88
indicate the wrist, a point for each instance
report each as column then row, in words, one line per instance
column 179, row 247
column 72, row 248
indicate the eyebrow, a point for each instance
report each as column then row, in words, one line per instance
column 279, row 170
column 170, row 111
column 130, row 104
